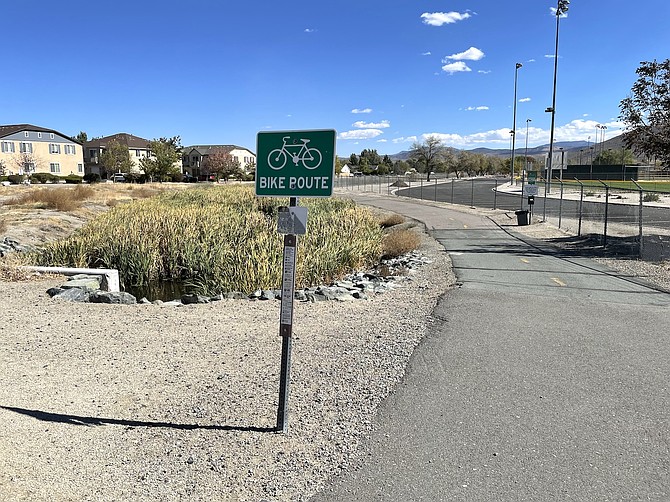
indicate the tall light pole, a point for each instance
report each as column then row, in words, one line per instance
column 516, row 75
column 602, row 138
column 561, row 8
column 526, row 154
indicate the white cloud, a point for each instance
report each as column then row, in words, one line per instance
column 524, row 100
column 576, row 130
column 472, row 54
column 360, row 134
column 426, row 53
column 530, row 61
column 476, row 108
column 382, row 141
column 408, row 139
column 309, row 30
column 372, row 125
column 484, row 72
column 364, row 110
column 440, row 18
column 455, row 67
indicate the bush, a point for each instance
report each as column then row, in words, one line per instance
column 43, row 178
column 398, row 242
column 72, row 179
column 92, row 177
column 391, row 221
column 651, row 197
column 60, row 199
column 16, row 179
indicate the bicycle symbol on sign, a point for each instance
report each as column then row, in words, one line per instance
column 309, row 157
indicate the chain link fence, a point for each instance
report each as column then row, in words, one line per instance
column 626, row 217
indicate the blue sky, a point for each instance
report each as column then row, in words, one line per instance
column 383, row 74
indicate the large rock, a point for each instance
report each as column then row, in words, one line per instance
column 117, row 297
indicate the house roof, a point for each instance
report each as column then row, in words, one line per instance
column 210, row 149
column 122, row 138
column 6, row 130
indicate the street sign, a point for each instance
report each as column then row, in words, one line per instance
column 295, row 163
column 530, row 190
column 292, row 220
column 532, row 177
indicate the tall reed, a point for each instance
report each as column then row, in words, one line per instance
column 219, row 239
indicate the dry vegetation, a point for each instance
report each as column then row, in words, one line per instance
column 400, row 241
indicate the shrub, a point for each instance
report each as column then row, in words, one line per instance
column 399, row 242
column 92, row 177
column 43, row 178
column 60, row 199
column 16, row 179
column 651, row 197
column 391, row 220
column 72, row 179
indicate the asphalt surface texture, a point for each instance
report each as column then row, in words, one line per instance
column 544, row 376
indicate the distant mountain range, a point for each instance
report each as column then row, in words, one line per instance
column 572, row 147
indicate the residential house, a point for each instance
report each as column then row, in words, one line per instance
column 195, row 157
column 138, row 148
column 28, row 149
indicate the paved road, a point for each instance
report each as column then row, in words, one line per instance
column 543, row 378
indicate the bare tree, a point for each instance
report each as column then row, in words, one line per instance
column 428, row 154
column 27, row 163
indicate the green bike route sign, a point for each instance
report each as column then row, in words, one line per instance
column 295, row 163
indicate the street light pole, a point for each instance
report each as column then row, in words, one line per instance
column 561, row 8
column 526, row 153
column 516, row 75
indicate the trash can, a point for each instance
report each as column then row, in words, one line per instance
column 522, row 217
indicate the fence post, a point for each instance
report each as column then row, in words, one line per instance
column 435, row 197
column 472, row 193
column 607, row 200
column 581, row 202
column 452, row 190
column 544, row 202
column 560, row 205
column 421, row 191
column 640, row 218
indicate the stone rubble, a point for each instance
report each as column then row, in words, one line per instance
column 389, row 274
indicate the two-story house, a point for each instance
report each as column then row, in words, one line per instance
column 194, row 157
column 28, row 149
column 138, row 148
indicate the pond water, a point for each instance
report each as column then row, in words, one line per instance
column 161, row 290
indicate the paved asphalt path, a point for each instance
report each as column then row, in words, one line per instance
column 543, row 377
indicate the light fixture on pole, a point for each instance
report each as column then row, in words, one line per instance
column 561, row 9
column 602, row 138
column 516, row 74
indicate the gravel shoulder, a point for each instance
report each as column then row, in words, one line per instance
column 142, row 402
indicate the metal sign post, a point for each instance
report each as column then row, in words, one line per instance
column 294, row 221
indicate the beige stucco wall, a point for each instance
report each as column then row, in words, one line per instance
column 68, row 163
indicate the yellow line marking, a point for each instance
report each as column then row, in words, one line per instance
column 558, row 281
column 524, row 260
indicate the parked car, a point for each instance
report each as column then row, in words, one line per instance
column 118, row 178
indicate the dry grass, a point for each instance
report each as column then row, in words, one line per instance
column 391, row 220
column 399, row 242
column 3, row 226
column 58, row 198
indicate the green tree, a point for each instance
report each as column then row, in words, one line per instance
column 646, row 111
column 115, row 159
column 338, row 166
column 353, row 159
column 612, row 157
column 82, row 137
column 163, row 163
column 222, row 165
column 428, row 154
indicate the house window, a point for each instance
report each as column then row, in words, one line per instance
column 26, row 134
column 70, row 149
column 137, row 153
column 26, row 147
column 39, row 134
column 54, row 148
column 54, row 167
column 80, row 168
column 7, row 147
column 51, row 135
